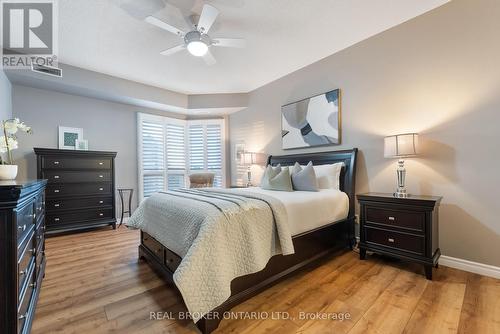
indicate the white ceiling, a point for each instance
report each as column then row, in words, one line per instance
column 282, row 36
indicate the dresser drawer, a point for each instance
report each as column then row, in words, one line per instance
column 401, row 241
column 79, row 203
column 40, row 204
column 68, row 218
column 25, row 219
column 56, row 176
column 154, row 246
column 25, row 301
column 25, row 263
column 39, row 238
column 409, row 220
column 54, row 162
column 57, row 190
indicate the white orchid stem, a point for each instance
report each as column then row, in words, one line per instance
column 9, row 153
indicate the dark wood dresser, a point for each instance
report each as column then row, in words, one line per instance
column 22, row 252
column 80, row 190
column 406, row 228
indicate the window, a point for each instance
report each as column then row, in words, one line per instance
column 206, row 148
column 171, row 149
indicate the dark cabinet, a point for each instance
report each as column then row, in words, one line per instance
column 22, row 252
column 406, row 228
column 80, row 189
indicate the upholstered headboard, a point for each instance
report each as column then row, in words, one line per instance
column 347, row 176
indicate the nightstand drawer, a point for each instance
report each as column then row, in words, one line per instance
column 403, row 219
column 401, row 241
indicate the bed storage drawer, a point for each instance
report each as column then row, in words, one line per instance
column 172, row 260
column 154, row 246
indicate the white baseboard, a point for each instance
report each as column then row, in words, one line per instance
column 470, row 266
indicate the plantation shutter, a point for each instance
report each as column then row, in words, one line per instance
column 196, row 148
column 170, row 149
column 152, row 160
column 214, row 152
column 206, row 151
column 176, row 155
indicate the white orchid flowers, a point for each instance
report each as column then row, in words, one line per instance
column 8, row 141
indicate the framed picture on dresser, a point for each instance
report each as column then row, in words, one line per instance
column 68, row 137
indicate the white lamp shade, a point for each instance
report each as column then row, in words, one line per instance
column 402, row 145
column 252, row 158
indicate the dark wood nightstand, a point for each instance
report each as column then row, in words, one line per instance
column 406, row 228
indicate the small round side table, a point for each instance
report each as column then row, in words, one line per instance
column 125, row 192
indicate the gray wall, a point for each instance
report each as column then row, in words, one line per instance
column 438, row 75
column 5, row 97
column 108, row 126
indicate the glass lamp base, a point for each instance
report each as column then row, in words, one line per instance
column 401, row 193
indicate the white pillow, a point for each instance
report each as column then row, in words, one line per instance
column 328, row 176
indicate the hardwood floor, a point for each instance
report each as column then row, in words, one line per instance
column 95, row 284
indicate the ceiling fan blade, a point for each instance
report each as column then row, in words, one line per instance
column 160, row 24
column 209, row 58
column 230, row 42
column 207, row 18
column 173, row 50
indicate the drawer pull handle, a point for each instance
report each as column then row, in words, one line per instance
column 390, row 240
column 101, row 163
column 33, row 285
column 56, row 176
column 23, row 316
column 101, row 189
column 101, row 214
column 56, row 162
column 100, row 202
column 101, row 176
column 392, row 218
column 22, row 273
column 22, row 228
column 34, row 215
column 33, row 251
column 56, row 190
column 56, row 219
column 56, row 205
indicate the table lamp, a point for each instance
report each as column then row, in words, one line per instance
column 250, row 159
column 401, row 146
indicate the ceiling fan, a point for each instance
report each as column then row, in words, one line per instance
column 197, row 41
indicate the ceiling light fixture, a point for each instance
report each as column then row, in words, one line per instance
column 197, row 48
column 197, row 43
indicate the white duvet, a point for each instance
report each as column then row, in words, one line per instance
column 308, row 210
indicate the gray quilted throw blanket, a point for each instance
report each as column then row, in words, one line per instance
column 220, row 234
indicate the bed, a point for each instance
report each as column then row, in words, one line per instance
column 316, row 228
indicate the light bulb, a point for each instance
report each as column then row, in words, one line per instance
column 197, row 48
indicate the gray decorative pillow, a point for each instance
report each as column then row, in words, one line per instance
column 276, row 178
column 304, row 178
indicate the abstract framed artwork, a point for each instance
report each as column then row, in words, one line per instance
column 312, row 122
column 68, row 137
